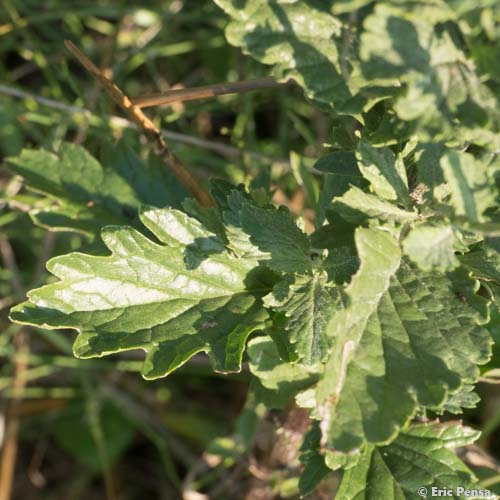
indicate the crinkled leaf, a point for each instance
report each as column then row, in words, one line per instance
column 173, row 300
column 431, row 182
column 421, row 457
column 307, row 303
column 471, row 192
column 342, row 261
column 385, row 171
column 464, row 398
column 341, row 171
column 298, row 38
column 431, row 246
column 483, row 264
column 404, row 340
column 83, row 194
column 267, row 234
column 401, row 46
column 356, row 206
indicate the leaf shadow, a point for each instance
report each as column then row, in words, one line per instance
column 201, row 248
column 313, row 66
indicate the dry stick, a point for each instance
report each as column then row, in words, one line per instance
column 118, row 121
column 148, row 128
column 206, row 91
column 9, row 449
column 9, row 262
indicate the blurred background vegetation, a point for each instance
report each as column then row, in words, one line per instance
column 94, row 429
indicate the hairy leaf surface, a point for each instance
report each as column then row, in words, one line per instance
column 431, row 247
column 404, row 340
column 298, row 38
column 421, row 457
column 307, row 303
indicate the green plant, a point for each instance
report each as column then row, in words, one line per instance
column 376, row 322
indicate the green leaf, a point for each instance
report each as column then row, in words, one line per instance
column 431, row 246
column 341, row 171
column 465, row 398
column 301, row 169
column 315, row 469
column 385, row 171
column 429, row 172
column 308, row 303
column 173, row 300
column 84, row 195
column 267, row 234
column 298, row 38
column 404, row 340
column 421, row 457
column 471, row 192
column 357, row 206
column 402, row 47
column 281, row 381
column 116, row 427
column 483, row 264
column 342, row 261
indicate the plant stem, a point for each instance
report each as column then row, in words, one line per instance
column 148, row 128
column 9, row 448
column 207, row 91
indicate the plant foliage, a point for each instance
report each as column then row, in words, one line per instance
column 382, row 313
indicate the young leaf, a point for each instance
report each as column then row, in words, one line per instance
column 471, row 192
column 267, row 234
column 419, row 459
column 404, row 340
column 385, row 171
column 357, row 206
column 308, row 303
column 173, row 300
column 431, row 247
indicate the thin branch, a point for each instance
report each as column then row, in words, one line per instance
column 117, row 121
column 9, row 261
column 46, row 251
column 9, row 448
column 207, row 91
column 148, row 128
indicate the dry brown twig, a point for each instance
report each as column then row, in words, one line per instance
column 9, row 448
column 226, row 150
column 147, row 127
column 207, row 91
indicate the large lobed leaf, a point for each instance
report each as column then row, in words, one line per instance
column 404, row 340
column 421, row 458
column 296, row 37
column 172, row 299
column 402, row 45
